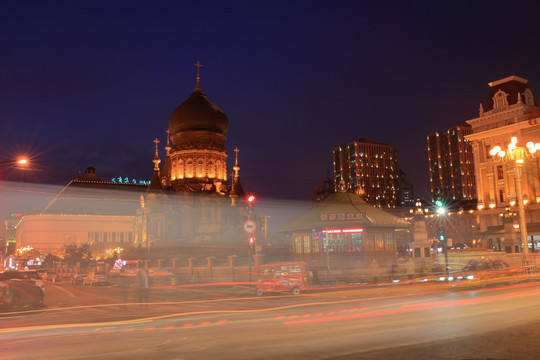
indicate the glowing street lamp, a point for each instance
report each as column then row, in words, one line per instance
column 516, row 155
column 21, row 161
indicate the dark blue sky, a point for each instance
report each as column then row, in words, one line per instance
column 94, row 82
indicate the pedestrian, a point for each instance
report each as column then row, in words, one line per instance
column 409, row 268
column 393, row 271
column 143, row 287
column 374, row 271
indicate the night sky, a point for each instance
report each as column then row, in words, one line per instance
column 94, row 82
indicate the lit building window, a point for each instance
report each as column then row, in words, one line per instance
column 211, row 169
column 180, row 170
column 200, row 168
column 219, row 170
column 189, row 168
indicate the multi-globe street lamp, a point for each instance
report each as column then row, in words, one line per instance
column 516, row 156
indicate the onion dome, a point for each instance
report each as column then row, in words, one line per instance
column 198, row 112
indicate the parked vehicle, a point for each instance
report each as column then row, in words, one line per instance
column 78, row 279
column 282, row 276
column 18, row 288
column 27, row 274
column 96, row 278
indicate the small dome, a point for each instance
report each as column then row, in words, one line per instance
column 198, row 112
column 90, row 172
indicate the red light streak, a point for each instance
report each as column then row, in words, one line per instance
column 414, row 308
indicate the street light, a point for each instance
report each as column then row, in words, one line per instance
column 516, row 156
column 21, row 161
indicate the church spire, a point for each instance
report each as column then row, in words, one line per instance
column 168, row 147
column 155, row 183
column 166, row 167
column 156, row 160
column 236, row 168
column 236, row 189
column 198, row 65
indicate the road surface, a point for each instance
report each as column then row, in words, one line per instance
column 421, row 321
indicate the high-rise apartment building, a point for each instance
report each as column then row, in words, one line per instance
column 451, row 165
column 370, row 170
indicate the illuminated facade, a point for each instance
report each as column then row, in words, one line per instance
column 87, row 210
column 370, row 170
column 198, row 157
column 451, row 165
column 189, row 202
column 510, row 111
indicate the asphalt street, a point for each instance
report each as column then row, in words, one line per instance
column 429, row 321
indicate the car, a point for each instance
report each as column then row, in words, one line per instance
column 481, row 269
column 78, row 279
column 18, row 288
column 96, row 278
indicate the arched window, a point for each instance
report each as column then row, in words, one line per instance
column 211, row 169
column 219, row 170
column 174, row 175
column 180, row 170
column 200, row 168
column 189, row 168
column 500, row 100
column 529, row 99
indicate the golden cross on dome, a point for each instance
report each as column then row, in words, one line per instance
column 156, row 141
column 236, row 151
column 199, row 66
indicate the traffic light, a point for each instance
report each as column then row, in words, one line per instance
column 442, row 237
column 251, row 200
column 439, row 203
column 251, row 240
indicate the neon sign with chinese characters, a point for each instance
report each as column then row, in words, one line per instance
column 343, row 231
column 347, row 216
column 126, row 180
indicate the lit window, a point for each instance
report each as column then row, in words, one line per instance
column 200, row 168
column 189, row 168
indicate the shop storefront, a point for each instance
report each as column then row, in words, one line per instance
column 343, row 231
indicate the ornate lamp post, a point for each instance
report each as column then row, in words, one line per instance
column 516, row 156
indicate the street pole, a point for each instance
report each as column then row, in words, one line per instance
column 522, row 222
column 249, row 260
column 445, row 248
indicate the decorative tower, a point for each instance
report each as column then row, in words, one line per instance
column 166, row 169
column 155, row 184
column 236, row 190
